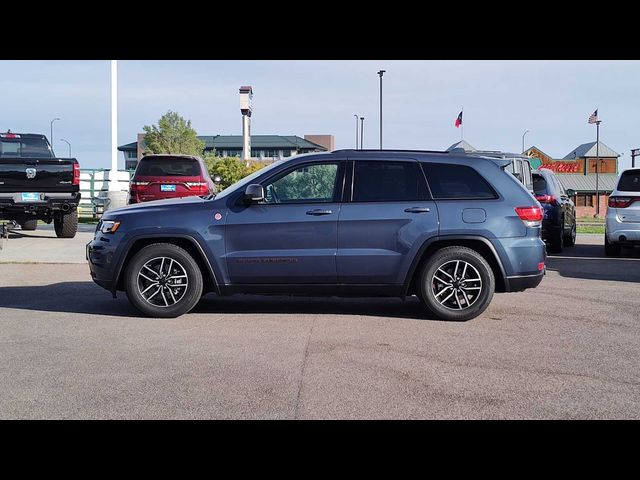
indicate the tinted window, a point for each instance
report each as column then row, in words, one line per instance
column 24, row 147
column 307, row 184
column 388, row 182
column 539, row 185
column 168, row 166
column 630, row 181
column 456, row 181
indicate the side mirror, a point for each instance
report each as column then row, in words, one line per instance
column 570, row 192
column 254, row 193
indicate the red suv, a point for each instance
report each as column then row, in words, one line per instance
column 158, row 177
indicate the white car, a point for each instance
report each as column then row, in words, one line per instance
column 623, row 214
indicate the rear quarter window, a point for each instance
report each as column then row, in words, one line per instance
column 168, row 167
column 630, row 181
column 451, row 181
column 539, row 185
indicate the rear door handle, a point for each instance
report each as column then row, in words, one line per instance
column 317, row 212
column 417, row 210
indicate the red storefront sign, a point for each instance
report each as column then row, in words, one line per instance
column 563, row 167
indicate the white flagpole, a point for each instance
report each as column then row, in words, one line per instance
column 113, row 184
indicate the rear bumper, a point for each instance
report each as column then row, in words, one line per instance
column 622, row 232
column 520, row 283
column 12, row 202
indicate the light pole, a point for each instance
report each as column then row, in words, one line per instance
column 356, row 115
column 51, row 136
column 361, row 131
column 598, row 122
column 65, row 141
column 525, row 132
column 381, row 72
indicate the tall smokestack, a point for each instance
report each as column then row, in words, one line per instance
column 246, row 95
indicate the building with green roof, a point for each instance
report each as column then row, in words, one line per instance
column 266, row 148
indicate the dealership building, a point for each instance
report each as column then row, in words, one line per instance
column 266, row 148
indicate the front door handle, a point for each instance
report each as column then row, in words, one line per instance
column 417, row 210
column 318, row 211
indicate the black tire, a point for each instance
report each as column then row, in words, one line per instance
column 570, row 240
column 29, row 225
column 611, row 249
column 66, row 225
column 556, row 242
column 445, row 258
column 186, row 300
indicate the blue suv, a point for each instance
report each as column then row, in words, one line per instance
column 450, row 228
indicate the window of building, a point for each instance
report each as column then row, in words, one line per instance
column 450, row 181
column 584, row 200
column 286, row 153
column 131, row 154
column 388, row 182
column 309, row 184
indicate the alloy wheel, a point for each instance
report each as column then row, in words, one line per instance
column 162, row 282
column 456, row 285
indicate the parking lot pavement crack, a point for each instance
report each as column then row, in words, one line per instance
column 302, row 369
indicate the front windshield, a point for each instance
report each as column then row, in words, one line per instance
column 247, row 180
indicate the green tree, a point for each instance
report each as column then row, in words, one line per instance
column 229, row 169
column 173, row 134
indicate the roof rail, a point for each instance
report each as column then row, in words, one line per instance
column 391, row 150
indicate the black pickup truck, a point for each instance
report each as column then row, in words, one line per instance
column 37, row 185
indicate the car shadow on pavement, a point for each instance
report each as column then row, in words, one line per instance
column 88, row 298
column 590, row 262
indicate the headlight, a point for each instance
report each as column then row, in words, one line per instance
column 108, row 226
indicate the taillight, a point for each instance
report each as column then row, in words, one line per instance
column 546, row 199
column 76, row 174
column 199, row 188
column 621, row 202
column 531, row 216
column 138, row 186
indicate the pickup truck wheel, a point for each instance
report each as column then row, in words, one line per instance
column 29, row 225
column 66, row 225
column 456, row 283
column 162, row 280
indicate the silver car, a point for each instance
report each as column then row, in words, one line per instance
column 623, row 214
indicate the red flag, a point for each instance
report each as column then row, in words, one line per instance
column 459, row 120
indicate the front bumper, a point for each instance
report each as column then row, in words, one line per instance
column 101, row 259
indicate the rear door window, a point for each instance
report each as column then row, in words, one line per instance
column 168, row 167
column 539, row 185
column 379, row 181
column 630, row 181
column 451, row 181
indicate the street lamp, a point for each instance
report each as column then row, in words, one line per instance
column 381, row 72
column 51, row 136
column 525, row 132
column 355, row 115
column 361, row 131
column 65, row 141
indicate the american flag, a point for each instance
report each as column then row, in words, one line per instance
column 594, row 117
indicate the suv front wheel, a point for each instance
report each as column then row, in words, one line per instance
column 456, row 283
column 163, row 280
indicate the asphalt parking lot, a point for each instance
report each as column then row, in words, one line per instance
column 565, row 350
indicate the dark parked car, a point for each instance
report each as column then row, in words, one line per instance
column 559, row 223
column 164, row 176
column 449, row 228
column 37, row 185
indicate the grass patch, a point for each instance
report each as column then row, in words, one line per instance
column 590, row 219
column 590, row 229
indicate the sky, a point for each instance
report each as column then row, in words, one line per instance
column 421, row 100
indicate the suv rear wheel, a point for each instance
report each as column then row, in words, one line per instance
column 611, row 249
column 570, row 240
column 456, row 283
column 163, row 280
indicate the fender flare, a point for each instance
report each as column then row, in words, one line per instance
column 184, row 236
column 430, row 241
